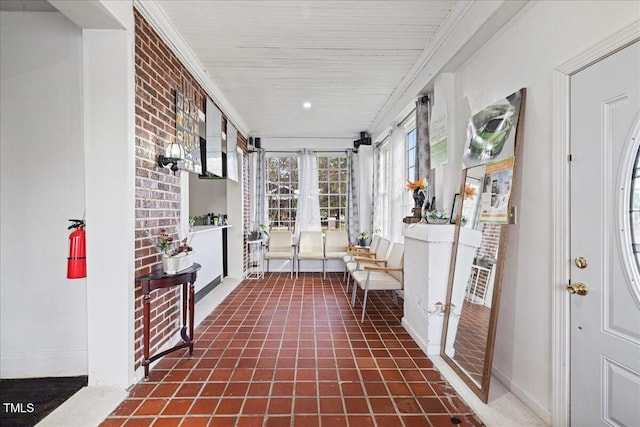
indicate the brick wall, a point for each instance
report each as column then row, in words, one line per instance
column 488, row 249
column 158, row 75
column 246, row 210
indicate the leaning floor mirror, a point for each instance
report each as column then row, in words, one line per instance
column 478, row 254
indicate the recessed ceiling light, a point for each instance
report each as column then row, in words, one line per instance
column 306, row 105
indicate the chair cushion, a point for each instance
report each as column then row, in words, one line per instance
column 335, row 255
column 310, row 255
column 351, row 266
column 279, row 255
column 378, row 280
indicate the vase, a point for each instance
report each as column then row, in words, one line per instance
column 177, row 263
column 419, row 198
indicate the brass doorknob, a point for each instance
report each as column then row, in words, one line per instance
column 578, row 288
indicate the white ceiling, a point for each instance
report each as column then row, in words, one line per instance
column 350, row 59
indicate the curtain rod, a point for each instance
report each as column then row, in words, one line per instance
column 406, row 117
column 315, row 151
column 379, row 143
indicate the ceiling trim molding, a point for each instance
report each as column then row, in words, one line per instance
column 459, row 10
column 160, row 22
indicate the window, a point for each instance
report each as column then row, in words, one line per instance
column 384, row 183
column 282, row 191
column 635, row 209
column 412, row 156
column 332, row 191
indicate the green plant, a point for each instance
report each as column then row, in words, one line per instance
column 166, row 243
column 435, row 214
column 194, row 219
column 363, row 234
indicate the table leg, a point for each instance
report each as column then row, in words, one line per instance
column 192, row 298
column 184, row 305
column 147, row 332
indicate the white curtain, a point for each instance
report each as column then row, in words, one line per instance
column 260, row 213
column 353, row 210
column 400, row 201
column 376, row 215
column 308, row 212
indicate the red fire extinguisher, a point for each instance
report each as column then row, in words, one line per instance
column 77, row 261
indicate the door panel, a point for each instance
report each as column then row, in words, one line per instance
column 605, row 323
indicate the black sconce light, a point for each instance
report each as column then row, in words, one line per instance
column 172, row 156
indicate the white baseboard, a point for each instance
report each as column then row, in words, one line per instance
column 87, row 408
column 426, row 348
column 518, row 392
column 414, row 335
column 504, row 408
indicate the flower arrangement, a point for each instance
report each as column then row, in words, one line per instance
column 419, row 184
column 167, row 245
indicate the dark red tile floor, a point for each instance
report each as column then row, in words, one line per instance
column 284, row 352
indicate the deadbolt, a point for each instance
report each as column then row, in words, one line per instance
column 578, row 288
column 581, row 262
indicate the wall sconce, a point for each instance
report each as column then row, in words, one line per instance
column 172, row 156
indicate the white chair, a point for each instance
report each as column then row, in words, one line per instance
column 280, row 246
column 379, row 257
column 354, row 251
column 335, row 245
column 310, row 247
column 377, row 278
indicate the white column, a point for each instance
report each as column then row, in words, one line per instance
column 109, row 177
column 426, row 271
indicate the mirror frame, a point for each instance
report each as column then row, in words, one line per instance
column 482, row 390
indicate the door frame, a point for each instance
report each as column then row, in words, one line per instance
column 560, row 228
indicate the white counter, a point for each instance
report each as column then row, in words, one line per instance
column 206, row 241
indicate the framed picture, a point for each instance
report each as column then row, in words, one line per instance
column 491, row 132
column 455, row 209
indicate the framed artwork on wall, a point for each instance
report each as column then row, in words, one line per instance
column 188, row 125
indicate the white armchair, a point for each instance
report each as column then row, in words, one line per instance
column 379, row 257
column 310, row 247
column 280, row 246
column 376, row 277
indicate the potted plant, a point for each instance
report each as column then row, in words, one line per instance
column 258, row 233
column 362, row 237
column 193, row 220
column 176, row 256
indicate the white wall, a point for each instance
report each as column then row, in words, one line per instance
column 206, row 195
column 43, row 314
column 524, row 54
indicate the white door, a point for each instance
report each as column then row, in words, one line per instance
column 605, row 323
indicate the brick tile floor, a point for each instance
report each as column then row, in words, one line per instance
column 282, row 352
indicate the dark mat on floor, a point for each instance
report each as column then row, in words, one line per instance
column 27, row 401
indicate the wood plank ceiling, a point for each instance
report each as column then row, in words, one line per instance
column 347, row 58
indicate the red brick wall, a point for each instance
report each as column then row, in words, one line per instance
column 159, row 74
column 246, row 210
column 488, row 249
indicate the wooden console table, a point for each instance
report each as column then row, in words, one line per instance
column 159, row 280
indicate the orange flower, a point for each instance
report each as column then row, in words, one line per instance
column 469, row 192
column 416, row 185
